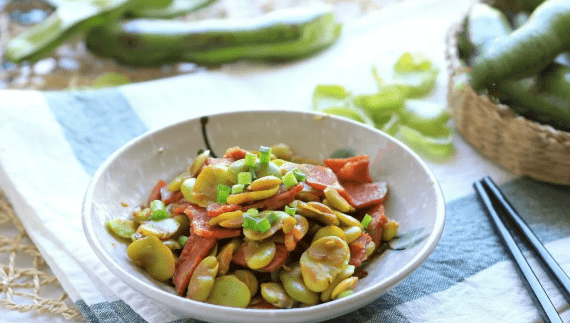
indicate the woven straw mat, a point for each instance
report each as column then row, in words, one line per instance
column 522, row 146
column 25, row 278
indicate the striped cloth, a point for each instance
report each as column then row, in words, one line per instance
column 52, row 142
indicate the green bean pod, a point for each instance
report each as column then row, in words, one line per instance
column 544, row 98
column 484, row 24
column 280, row 35
column 69, row 18
column 176, row 9
column 528, row 49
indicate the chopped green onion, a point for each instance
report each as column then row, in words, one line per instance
column 299, row 175
column 290, row 210
column 237, row 188
column 263, row 225
column 249, row 221
column 250, row 159
column 253, row 212
column 366, row 221
column 158, row 210
column 264, row 154
column 289, row 179
column 182, row 240
column 244, row 178
column 223, row 193
column 272, row 217
column 252, row 172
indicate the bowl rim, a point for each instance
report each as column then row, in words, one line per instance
column 317, row 312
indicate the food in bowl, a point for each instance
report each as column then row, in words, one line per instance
column 261, row 229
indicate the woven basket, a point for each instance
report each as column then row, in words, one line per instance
column 522, row 146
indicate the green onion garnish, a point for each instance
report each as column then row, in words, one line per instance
column 244, row 178
column 289, row 179
column 290, row 210
column 299, row 175
column 249, row 159
column 366, row 221
column 264, row 154
column 272, row 217
column 252, row 172
column 223, row 193
column 237, row 188
column 263, row 225
column 253, row 212
column 249, row 221
column 158, row 210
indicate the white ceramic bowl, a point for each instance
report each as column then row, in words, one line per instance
column 415, row 199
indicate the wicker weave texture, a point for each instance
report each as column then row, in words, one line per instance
column 522, row 146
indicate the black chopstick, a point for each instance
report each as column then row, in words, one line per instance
column 546, row 309
column 548, row 261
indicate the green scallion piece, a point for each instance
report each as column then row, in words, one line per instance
column 263, row 225
column 299, row 175
column 290, row 210
column 253, row 212
column 244, row 178
column 250, row 159
column 289, row 179
column 264, row 154
column 366, row 221
column 223, row 193
column 237, row 188
column 272, row 217
column 252, row 172
column 249, row 222
column 158, row 210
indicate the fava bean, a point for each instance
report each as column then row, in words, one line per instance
column 259, row 254
column 352, row 233
column 163, row 229
column 264, row 183
column 390, row 230
column 292, row 280
column 202, row 280
column 282, row 151
column 225, row 256
column 122, row 228
column 153, row 256
column 326, row 295
column 330, row 230
column 205, row 190
column 275, row 294
column 346, row 284
column 228, row 290
column 323, row 261
column 199, row 162
column 248, row 278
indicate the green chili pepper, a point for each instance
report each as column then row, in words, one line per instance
column 528, row 49
column 70, row 17
column 280, row 35
column 176, row 9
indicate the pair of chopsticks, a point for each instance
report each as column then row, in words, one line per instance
column 499, row 208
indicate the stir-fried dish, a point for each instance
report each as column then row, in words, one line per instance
column 260, row 229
